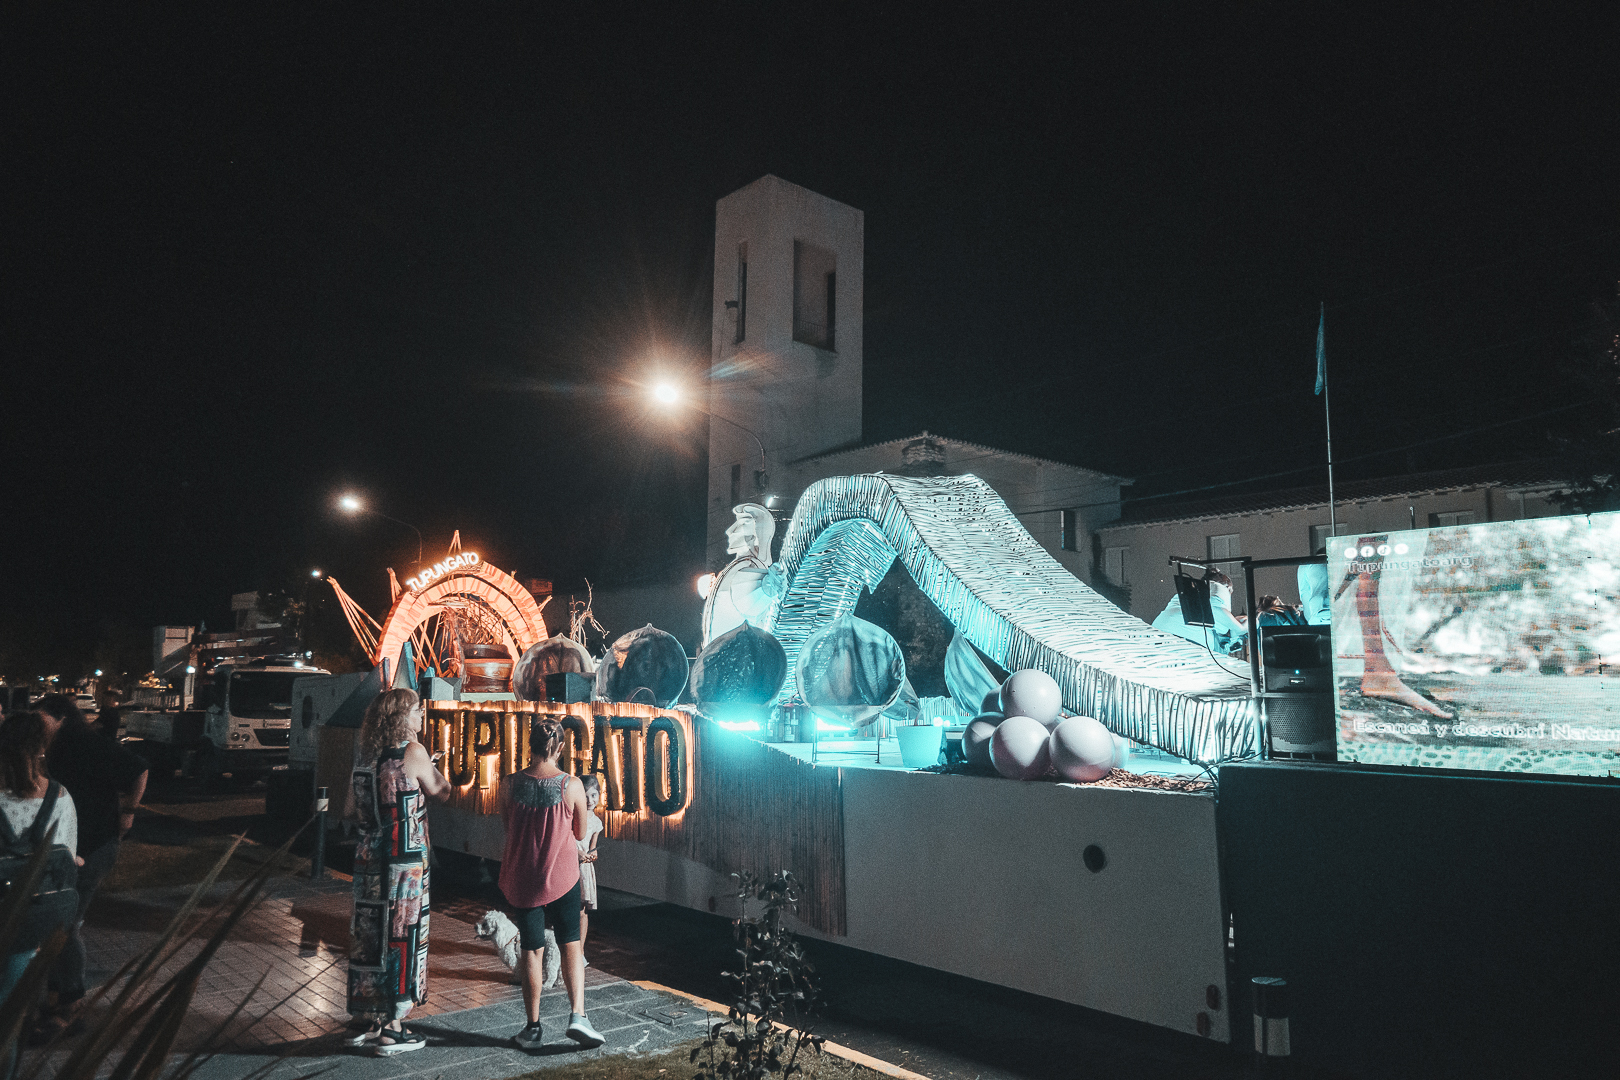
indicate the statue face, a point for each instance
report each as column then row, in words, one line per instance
column 741, row 536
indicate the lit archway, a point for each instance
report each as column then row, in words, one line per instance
column 472, row 602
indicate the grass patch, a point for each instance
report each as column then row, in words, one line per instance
column 676, row 1065
column 145, row 866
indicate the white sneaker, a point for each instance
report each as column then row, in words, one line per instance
column 580, row 1030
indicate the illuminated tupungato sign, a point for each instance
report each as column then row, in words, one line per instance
column 439, row 569
column 644, row 755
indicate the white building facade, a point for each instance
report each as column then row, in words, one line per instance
column 1136, row 550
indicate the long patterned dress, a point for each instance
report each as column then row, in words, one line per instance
column 388, row 933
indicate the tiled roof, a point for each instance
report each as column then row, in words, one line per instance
column 1525, row 475
column 965, row 445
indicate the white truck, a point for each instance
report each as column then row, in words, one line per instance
column 240, row 722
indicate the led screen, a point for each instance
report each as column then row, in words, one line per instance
column 1491, row 647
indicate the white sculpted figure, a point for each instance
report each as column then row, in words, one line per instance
column 740, row 591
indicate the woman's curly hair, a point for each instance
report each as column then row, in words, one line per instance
column 387, row 722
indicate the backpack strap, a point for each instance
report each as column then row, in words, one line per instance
column 36, row 831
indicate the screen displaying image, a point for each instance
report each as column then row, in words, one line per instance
column 1493, row 647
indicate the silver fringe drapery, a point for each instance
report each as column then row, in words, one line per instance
column 1013, row 601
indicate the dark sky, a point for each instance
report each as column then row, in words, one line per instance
column 256, row 259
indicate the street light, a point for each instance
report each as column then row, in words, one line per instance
column 303, row 611
column 350, row 504
column 668, row 394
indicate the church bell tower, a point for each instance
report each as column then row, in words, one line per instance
column 785, row 379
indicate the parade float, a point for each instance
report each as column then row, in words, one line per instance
column 1114, row 888
column 1071, row 882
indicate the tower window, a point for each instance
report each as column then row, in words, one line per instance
column 1069, row 530
column 815, row 280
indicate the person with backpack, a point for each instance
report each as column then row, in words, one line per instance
column 106, row 782
column 31, row 805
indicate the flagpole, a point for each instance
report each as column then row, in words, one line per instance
column 1327, row 412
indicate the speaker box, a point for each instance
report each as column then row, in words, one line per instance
column 1301, row 726
column 1297, row 659
column 569, row 686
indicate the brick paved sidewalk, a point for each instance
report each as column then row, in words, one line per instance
column 299, row 935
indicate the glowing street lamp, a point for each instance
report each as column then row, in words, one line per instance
column 669, row 394
column 350, row 503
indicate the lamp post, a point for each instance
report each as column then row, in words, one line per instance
column 669, row 394
column 351, row 504
column 303, row 611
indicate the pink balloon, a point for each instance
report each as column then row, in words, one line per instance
column 1019, row 749
column 1082, row 750
column 976, row 740
column 1031, row 693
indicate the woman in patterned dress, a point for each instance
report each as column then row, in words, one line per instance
column 388, row 934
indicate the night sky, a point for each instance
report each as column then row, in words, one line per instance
column 434, row 253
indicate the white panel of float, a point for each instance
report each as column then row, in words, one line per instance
column 986, row 878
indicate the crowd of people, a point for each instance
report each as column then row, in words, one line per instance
column 546, row 875
column 64, row 784
column 70, row 786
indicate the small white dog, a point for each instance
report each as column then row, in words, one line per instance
column 501, row 932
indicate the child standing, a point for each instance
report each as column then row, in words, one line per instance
column 587, row 857
column 544, row 811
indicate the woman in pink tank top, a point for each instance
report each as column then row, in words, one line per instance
column 543, row 809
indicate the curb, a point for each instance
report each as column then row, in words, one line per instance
column 854, row 1057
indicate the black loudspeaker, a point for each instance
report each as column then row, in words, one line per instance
column 1301, row 726
column 569, row 686
column 1195, row 607
column 1297, row 659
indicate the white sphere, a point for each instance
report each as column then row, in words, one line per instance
column 1031, row 693
column 1122, row 751
column 976, row 740
column 1019, row 750
column 1082, row 749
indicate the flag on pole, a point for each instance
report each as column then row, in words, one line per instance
column 1321, row 352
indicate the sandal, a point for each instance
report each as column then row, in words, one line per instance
column 390, row 1041
column 365, row 1036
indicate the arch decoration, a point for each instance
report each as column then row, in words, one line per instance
column 459, row 601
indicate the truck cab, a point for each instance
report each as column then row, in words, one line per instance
column 247, row 715
column 240, row 722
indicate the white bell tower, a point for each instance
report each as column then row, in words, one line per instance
column 787, row 339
